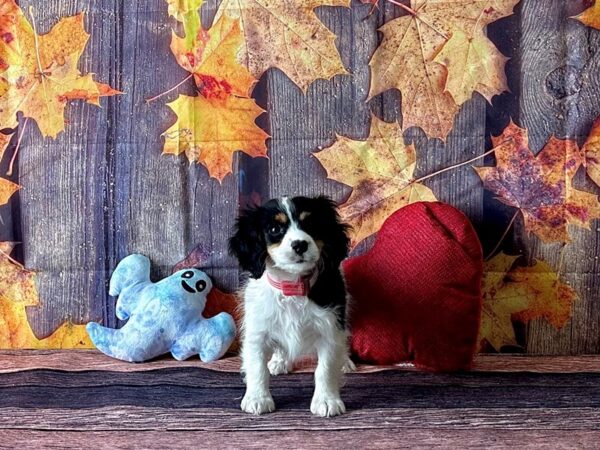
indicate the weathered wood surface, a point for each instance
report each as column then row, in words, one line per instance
column 373, row 439
column 555, row 83
column 102, row 190
column 84, row 360
column 388, row 409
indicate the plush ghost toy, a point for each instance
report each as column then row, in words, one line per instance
column 162, row 317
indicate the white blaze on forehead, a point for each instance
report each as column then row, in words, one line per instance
column 288, row 207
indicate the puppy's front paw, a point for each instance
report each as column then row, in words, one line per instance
column 278, row 366
column 258, row 404
column 325, row 406
column 349, row 366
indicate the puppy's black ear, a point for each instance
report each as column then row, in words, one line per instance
column 336, row 241
column 248, row 242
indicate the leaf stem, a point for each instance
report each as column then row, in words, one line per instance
column 18, row 146
column 464, row 163
column 510, row 224
column 36, row 42
column 150, row 100
column 414, row 13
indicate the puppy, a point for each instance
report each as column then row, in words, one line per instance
column 295, row 300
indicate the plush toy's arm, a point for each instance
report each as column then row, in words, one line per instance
column 210, row 338
column 132, row 270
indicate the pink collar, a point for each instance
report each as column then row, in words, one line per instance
column 300, row 287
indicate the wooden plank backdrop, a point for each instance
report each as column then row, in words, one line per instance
column 103, row 190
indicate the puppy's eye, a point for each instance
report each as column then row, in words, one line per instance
column 188, row 274
column 275, row 230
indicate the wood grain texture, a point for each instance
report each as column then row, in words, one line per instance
column 397, row 438
column 103, row 190
column 175, row 406
column 559, row 89
column 84, row 360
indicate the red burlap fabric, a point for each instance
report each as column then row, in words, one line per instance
column 417, row 292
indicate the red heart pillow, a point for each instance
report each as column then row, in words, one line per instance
column 416, row 295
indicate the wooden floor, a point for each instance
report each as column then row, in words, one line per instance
column 82, row 399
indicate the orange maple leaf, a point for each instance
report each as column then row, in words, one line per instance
column 210, row 130
column 287, row 35
column 18, row 291
column 38, row 74
column 540, row 186
column 434, row 79
column 591, row 16
column 7, row 189
column 591, row 149
column 221, row 120
column 520, row 294
column 380, row 171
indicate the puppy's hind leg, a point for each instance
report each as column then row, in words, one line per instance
column 279, row 363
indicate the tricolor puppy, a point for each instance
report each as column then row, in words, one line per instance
column 295, row 300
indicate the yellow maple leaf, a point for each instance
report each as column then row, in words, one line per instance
column 380, row 171
column 4, row 141
column 7, row 189
column 473, row 64
column 211, row 56
column 591, row 16
column 210, row 130
column 287, row 35
column 591, row 150
column 40, row 73
column 406, row 58
column 18, row 291
column 520, row 294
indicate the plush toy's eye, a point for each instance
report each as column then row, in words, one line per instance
column 188, row 274
column 200, row 285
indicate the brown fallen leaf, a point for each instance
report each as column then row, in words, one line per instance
column 39, row 74
column 540, row 186
column 287, row 35
column 520, row 294
column 18, row 291
column 7, row 189
column 409, row 60
column 380, row 171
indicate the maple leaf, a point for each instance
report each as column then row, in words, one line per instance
column 210, row 130
column 591, row 149
column 4, row 141
column 520, row 294
column 211, row 56
column 39, row 73
column 18, row 291
column 221, row 120
column 473, row 64
column 406, row 59
column 380, row 171
column 591, row 16
column 287, row 35
column 7, row 189
column 540, row 186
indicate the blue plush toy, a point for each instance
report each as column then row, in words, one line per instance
column 162, row 317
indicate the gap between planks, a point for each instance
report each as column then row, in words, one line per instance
column 12, row 361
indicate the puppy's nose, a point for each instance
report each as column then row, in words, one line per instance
column 300, row 247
